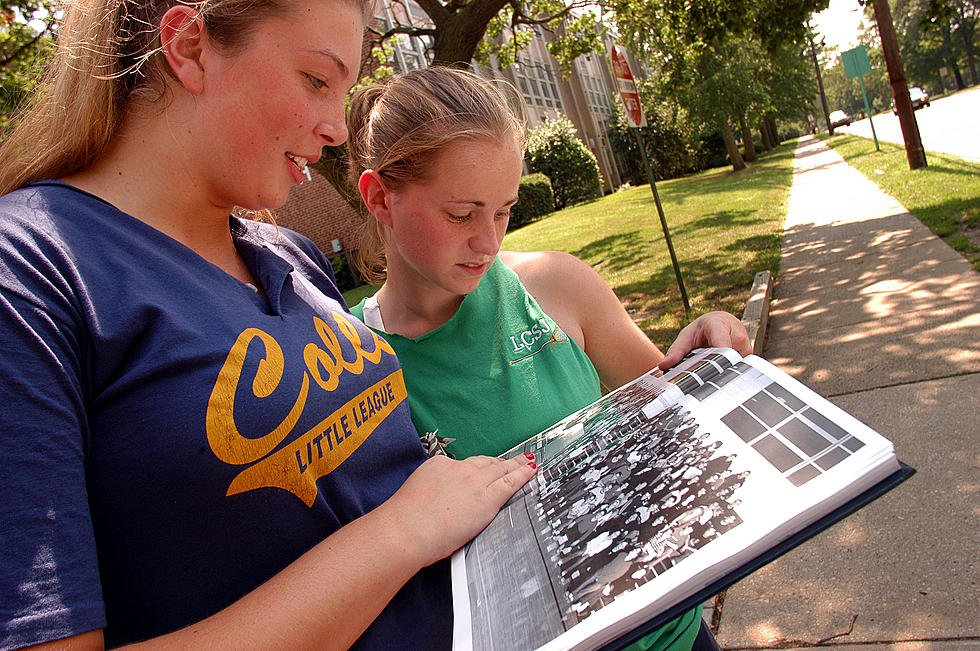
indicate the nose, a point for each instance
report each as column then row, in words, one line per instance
column 333, row 131
column 485, row 238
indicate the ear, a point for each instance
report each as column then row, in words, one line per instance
column 376, row 197
column 182, row 40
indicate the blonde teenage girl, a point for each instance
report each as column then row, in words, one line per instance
column 496, row 345
column 201, row 447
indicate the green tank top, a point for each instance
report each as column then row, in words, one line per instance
column 498, row 372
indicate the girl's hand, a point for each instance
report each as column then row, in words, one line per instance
column 714, row 329
column 445, row 502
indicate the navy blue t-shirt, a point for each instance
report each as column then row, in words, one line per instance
column 169, row 438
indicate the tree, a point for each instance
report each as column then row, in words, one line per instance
column 959, row 17
column 26, row 28
column 713, row 56
column 844, row 93
column 921, row 44
column 671, row 137
column 456, row 30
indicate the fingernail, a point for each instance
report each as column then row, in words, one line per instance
column 533, row 465
column 529, row 455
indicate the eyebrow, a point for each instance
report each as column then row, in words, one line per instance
column 481, row 204
column 344, row 70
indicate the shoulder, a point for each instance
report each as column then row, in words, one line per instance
column 270, row 233
column 38, row 206
column 285, row 241
column 548, row 270
column 564, row 287
column 297, row 250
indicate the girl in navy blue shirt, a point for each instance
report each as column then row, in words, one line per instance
column 201, row 447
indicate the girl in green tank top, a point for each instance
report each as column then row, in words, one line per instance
column 495, row 345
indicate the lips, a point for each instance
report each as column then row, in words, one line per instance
column 474, row 267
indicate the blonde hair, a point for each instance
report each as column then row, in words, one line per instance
column 397, row 129
column 105, row 59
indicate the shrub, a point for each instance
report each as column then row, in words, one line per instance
column 534, row 199
column 344, row 273
column 554, row 150
column 671, row 144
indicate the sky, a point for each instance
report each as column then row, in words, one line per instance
column 840, row 24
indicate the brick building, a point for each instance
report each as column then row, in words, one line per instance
column 316, row 210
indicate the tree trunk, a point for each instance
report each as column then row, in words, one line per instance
column 747, row 141
column 970, row 54
column 816, row 69
column 900, row 89
column 459, row 31
column 764, row 136
column 333, row 166
column 773, row 131
column 749, row 152
column 960, row 84
column 731, row 146
column 950, row 57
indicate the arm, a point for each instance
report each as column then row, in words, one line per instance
column 588, row 311
column 586, row 308
column 331, row 594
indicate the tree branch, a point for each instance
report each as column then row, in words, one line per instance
column 404, row 29
column 521, row 18
column 439, row 12
column 16, row 54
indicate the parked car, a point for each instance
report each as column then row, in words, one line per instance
column 839, row 119
column 919, row 97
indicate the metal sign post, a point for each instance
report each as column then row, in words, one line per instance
column 856, row 64
column 636, row 119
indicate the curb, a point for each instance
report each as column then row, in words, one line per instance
column 755, row 318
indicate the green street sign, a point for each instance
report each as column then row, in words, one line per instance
column 856, row 62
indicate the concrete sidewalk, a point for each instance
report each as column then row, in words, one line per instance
column 875, row 312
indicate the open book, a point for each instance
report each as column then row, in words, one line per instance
column 658, row 496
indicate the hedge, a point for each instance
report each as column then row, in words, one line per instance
column 534, row 199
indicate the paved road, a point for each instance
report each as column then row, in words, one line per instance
column 948, row 125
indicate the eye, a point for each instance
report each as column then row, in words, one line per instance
column 503, row 214
column 315, row 82
column 459, row 218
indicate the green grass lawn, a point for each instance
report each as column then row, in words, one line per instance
column 354, row 296
column 944, row 195
column 725, row 227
